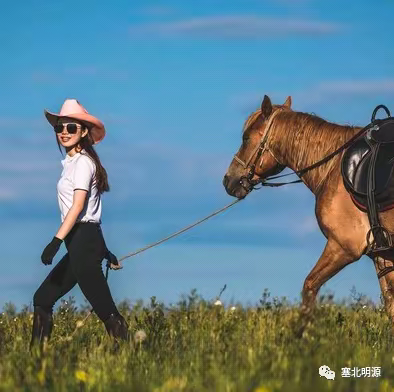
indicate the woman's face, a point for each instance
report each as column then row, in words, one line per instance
column 67, row 139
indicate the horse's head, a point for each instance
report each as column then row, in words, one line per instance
column 254, row 160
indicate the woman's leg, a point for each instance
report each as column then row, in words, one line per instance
column 58, row 283
column 87, row 250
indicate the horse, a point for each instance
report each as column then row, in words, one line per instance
column 275, row 137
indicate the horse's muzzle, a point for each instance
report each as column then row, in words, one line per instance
column 237, row 187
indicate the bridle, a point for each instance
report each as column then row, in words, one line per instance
column 246, row 181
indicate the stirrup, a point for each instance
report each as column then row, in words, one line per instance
column 372, row 246
column 385, row 271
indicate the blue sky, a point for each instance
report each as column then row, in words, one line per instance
column 173, row 82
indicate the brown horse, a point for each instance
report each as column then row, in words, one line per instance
column 296, row 140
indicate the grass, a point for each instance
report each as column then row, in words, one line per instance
column 198, row 346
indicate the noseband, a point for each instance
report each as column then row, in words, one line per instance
column 246, row 181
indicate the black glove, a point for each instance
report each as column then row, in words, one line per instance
column 111, row 258
column 50, row 250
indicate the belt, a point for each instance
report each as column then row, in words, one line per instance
column 90, row 221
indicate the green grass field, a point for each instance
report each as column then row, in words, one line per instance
column 198, row 346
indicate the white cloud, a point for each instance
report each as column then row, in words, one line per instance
column 297, row 224
column 7, row 194
column 318, row 93
column 157, row 10
column 357, row 86
column 239, row 26
column 63, row 75
column 332, row 90
column 145, row 169
column 305, row 226
column 82, row 70
column 10, row 122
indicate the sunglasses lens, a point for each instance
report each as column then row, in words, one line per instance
column 72, row 128
column 58, row 128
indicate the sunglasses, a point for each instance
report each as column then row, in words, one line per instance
column 71, row 128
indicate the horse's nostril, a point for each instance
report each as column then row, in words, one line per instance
column 225, row 180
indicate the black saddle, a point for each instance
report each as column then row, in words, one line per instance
column 355, row 165
column 367, row 169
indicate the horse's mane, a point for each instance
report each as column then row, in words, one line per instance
column 311, row 137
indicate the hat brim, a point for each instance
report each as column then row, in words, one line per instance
column 96, row 127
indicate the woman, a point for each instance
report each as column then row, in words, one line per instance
column 82, row 181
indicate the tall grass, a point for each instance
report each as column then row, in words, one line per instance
column 198, row 346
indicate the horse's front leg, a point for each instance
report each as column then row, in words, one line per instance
column 387, row 286
column 332, row 260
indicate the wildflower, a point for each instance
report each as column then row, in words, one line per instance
column 80, row 375
column 139, row 336
column 173, row 383
column 262, row 389
column 218, row 302
column 233, row 309
column 80, row 323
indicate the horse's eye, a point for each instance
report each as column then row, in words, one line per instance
column 245, row 139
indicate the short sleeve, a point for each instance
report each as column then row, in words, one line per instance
column 83, row 173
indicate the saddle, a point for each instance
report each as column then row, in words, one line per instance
column 367, row 168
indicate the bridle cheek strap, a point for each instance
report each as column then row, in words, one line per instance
column 262, row 145
column 270, row 151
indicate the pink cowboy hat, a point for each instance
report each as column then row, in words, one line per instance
column 73, row 109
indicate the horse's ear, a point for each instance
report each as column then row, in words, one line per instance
column 288, row 102
column 266, row 106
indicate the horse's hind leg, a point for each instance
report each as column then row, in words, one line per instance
column 387, row 286
column 332, row 260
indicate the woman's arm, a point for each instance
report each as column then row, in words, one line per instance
column 79, row 200
column 51, row 249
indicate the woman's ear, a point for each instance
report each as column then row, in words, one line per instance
column 84, row 132
column 266, row 106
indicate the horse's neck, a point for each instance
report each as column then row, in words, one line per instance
column 305, row 144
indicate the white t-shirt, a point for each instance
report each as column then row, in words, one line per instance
column 78, row 173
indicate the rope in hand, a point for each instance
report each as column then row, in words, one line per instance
column 81, row 323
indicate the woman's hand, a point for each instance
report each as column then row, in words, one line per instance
column 112, row 261
column 50, row 250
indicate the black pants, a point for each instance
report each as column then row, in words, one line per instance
column 81, row 264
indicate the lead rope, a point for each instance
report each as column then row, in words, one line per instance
column 81, row 323
column 263, row 183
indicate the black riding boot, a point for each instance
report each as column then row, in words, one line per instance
column 42, row 326
column 117, row 327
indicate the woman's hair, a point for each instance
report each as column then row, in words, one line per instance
column 87, row 144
